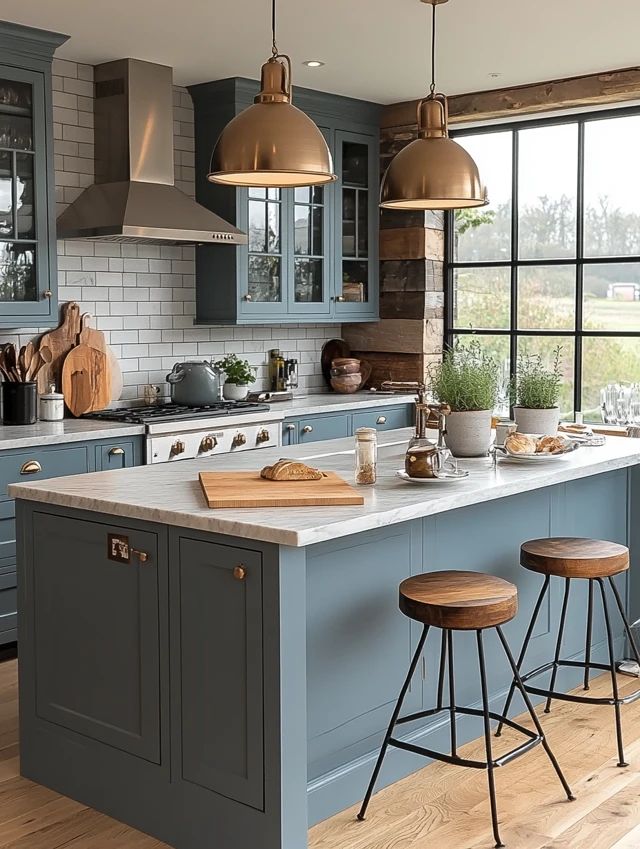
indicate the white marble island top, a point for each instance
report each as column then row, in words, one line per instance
column 170, row 493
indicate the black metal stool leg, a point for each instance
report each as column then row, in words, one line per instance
column 523, row 650
column 392, row 723
column 563, row 618
column 627, row 627
column 452, row 697
column 533, row 714
column 587, row 647
column 614, row 679
column 443, row 659
column 487, row 741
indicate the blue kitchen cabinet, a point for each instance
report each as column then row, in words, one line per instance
column 312, row 252
column 39, row 463
column 302, row 429
column 28, row 258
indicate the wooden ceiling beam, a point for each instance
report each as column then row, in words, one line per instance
column 575, row 92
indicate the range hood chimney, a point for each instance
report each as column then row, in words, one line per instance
column 134, row 198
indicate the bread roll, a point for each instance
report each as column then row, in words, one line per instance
column 551, row 445
column 520, row 443
column 290, row 470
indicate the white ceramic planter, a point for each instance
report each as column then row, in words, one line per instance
column 469, row 433
column 541, row 422
column 235, row 391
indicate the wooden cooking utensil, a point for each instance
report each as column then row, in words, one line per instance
column 60, row 341
column 85, row 380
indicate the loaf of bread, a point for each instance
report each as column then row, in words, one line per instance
column 520, row 443
column 290, row 470
column 551, row 445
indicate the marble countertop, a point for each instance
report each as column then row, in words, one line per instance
column 333, row 402
column 68, row 430
column 170, row 493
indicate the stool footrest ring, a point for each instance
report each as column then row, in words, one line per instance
column 572, row 697
column 532, row 741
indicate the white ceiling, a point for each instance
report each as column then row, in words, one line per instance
column 373, row 49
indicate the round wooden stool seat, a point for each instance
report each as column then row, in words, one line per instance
column 458, row 600
column 574, row 557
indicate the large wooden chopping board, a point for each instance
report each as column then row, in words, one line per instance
column 248, row 489
column 60, row 341
column 86, row 383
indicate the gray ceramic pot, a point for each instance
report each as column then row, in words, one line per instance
column 469, row 433
column 541, row 422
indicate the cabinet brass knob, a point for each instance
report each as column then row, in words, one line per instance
column 141, row 555
column 31, row 467
column 340, row 299
column 116, row 451
column 247, row 298
column 291, row 427
column 47, row 293
column 239, row 573
column 381, row 420
column 307, row 429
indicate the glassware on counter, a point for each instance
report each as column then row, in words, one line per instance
column 366, row 455
column 620, row 404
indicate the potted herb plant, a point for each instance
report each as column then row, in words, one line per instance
column 239, row 375
column 467, row 381
column 535, row 392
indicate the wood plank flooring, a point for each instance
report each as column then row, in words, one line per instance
column 441, row 807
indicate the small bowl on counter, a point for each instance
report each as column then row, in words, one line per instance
column 346, row 383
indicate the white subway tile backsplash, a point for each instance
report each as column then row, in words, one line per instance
column 143, row 295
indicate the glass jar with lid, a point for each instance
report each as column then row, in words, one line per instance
column 366, row 455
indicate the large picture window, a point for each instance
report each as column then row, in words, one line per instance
column 554, row 259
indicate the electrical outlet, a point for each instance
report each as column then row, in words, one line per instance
column 118, row 548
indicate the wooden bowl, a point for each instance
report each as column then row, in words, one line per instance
column 339, row 371
column 347, row 383
column 348, row 364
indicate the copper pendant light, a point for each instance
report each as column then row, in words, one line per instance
column 433, row 171
column 272, row 143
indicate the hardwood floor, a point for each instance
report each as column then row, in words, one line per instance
column 441, row 807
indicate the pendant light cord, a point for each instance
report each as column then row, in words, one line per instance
column 274, row 48
column 432, row 87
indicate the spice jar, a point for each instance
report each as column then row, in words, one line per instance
column 366, row 455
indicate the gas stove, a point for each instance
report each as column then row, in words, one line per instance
column 175, row 432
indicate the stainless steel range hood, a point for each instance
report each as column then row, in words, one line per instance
column 134, row 198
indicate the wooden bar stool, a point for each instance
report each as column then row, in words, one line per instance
column 596, row 561
column 462, row 601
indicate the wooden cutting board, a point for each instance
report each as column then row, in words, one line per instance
column 86, row 382
column 60, row 341
column 95, row 339
column 248, row 489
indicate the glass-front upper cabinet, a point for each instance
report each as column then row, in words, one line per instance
column 24, row 228
column 357, row 224
column 265, row 246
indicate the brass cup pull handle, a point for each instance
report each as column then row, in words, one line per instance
column 31, row 467
column 116, row 452
column 141, row 555
column 307, row 429
column 239, row 573
column 381, row 420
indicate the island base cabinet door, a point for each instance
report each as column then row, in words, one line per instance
column 217, row 674
column 98, row 668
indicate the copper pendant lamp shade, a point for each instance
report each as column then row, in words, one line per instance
column 272, row 143
column 433, row 171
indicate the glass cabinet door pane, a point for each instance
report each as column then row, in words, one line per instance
column 16, row 127
column 24, row 199
column 355, row 164
column 17, row 273
column 308, row 280
column 308, row 215
column 265, row 260
column 363, row 223
column 6, row 194
column 355, row 280
column 302, row 242
column 265, row 279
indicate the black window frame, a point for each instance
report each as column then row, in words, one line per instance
column 578, row 334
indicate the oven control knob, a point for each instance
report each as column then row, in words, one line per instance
column 177, row 448
column 239, row 439
column 208, row 443
column 263, row 436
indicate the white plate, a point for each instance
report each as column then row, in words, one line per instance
column 529, row 459
column 449, row 477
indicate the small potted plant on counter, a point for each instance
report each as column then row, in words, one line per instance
column 535, row 391
column 239, row 376
column 467, row 381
